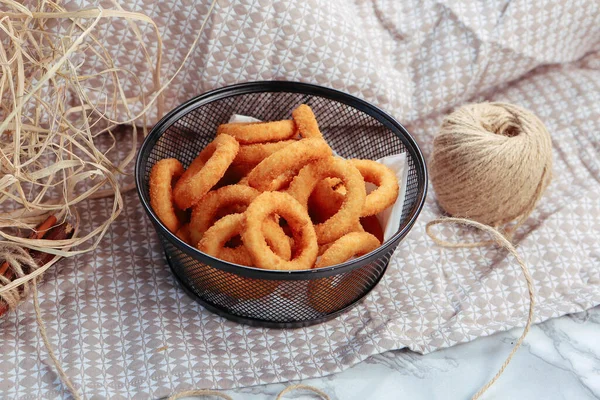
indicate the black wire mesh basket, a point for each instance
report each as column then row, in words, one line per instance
column 281, row 299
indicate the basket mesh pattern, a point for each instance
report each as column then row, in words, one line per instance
column 286, row 301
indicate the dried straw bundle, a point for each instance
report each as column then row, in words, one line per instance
column 53, row 113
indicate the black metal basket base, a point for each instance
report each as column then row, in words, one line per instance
column 261, row 322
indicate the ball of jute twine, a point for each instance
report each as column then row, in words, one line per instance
column 490, row 165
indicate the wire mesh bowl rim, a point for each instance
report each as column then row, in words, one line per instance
column 290, row 87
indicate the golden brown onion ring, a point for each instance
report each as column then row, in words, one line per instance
column 257, row 132
column 204, row 213
column 205, row 171
column 386, row 193
column 287, row 160
column 346, row 247
column 306, row 122
column 348, row 214
column 162, row 177
column 305, row 241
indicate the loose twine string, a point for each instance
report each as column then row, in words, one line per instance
column 207, row 392
column 504, row 243
column 44, row 335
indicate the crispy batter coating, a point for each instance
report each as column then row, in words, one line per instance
column 205, row 212
column 386, row 193
column 164, row 173
column 257, row 132
column 288, row 160
column 348, row 214
column 205, row 171
column 305, row 241
column 306, row 122
column 254, row 153
column 346, row 247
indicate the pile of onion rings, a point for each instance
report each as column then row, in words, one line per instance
column 272, row 195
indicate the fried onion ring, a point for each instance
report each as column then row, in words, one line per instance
column 205, row 171
column 287, row 160
column 386, row 193
column 305, row 241
column 227, row 283
column 282, row 181
column 204, row 213
column 279, row 183
column 254, row 153
column 162, row 177
column 357, row 227
column 256, row 132
column 346, row 247
column 348, row 214
column 213, row 241
column 306, row 122
column 326, row 200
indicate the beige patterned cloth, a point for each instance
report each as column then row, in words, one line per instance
column 123, row 329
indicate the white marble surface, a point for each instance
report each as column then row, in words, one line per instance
column 560, row 359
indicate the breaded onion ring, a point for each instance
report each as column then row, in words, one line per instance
column 230, row 284
column 386, row 193
column 277, row 184
column 214, row 239
column 346, row 247
column 347, row 216
column 204, row 213
column 277, row 240
column 371, row 224
column 282, row 181
column 306, row 122
column 254, row 153
column 256, row 132
column 356, row 228
column 326, row 200
column 205, row 171
column 323, row 248
column 162, row 177
column 289, row 159
column 305, row 241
